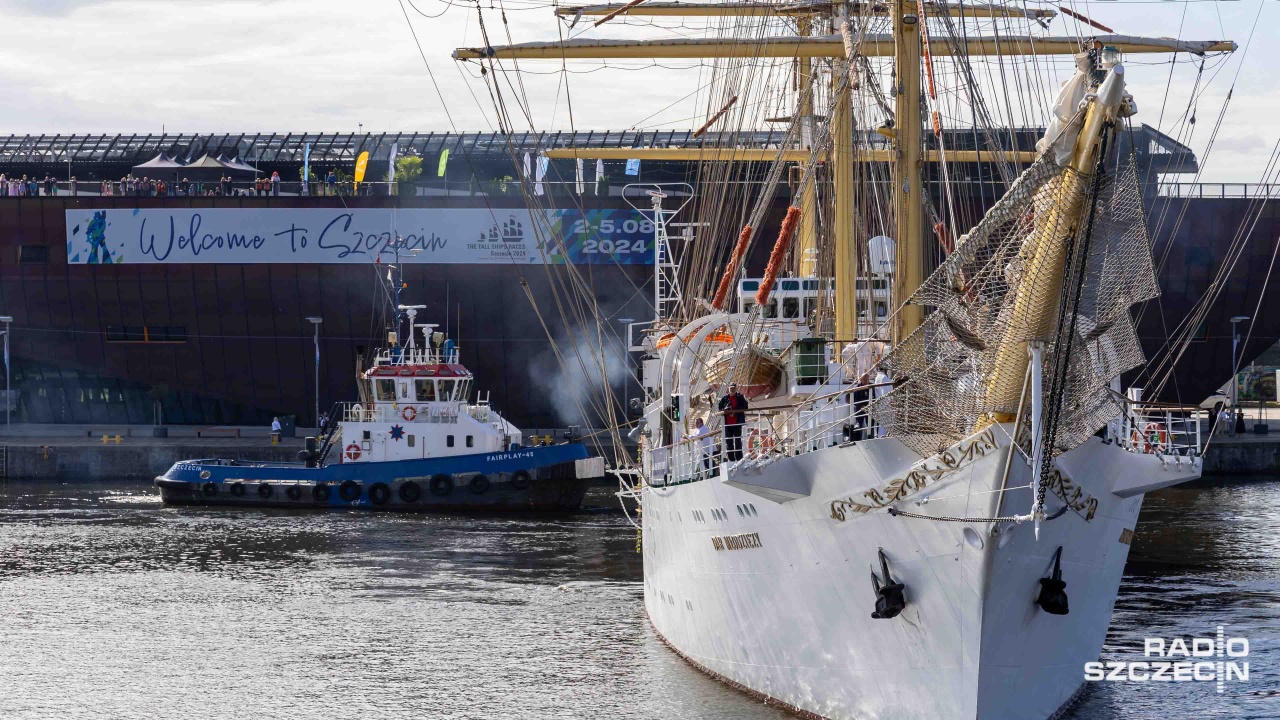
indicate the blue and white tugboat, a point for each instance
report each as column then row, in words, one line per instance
column 415, row 443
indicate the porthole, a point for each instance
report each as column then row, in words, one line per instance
column 740, row 512
column 752, row 507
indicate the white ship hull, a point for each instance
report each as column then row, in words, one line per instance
column 784, row 611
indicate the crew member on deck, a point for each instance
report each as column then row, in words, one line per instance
column 733, row 406
column 706, row 443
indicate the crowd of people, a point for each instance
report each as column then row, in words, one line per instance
column 136, row 186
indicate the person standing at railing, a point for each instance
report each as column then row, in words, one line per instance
column 706, row 443
column 275, row 184
column 733, row 405
column 331, row 181
column 882, row 388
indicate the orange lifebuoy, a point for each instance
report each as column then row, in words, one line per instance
column 759, row 443
column 409, row 413
column 1152, row 437
column 353, row 452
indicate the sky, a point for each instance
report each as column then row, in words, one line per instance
column 140, row 66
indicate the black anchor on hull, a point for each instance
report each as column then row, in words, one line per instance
column 1053, row 590
column 890, row 599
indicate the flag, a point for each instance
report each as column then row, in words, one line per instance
column 633, row 167
column 527, row 167
column 391, row 163
column 599, row 174
column 580, row 177
column 444, row 160
column 362, row 162
column 306, row 166
column 543, row 162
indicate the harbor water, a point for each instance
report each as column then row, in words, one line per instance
column 115, row 606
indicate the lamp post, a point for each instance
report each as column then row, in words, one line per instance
column 315, row 321
column 1235, row 343
column 8, row 395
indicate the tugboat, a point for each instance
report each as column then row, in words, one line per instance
column 413, row 444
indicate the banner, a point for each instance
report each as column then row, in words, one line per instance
column 362, row 162
column 340, row 235
column 391, row 163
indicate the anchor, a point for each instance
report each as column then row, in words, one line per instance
column 1053, row 590
column 889, row 597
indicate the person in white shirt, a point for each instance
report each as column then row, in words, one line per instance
column 706, row 442
column 882, row 387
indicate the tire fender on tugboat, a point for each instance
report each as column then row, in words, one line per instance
column 410, row 492
column 349, row 491
column 237, row 489
column 441, row 485
column 479, row 485
column 379, row 493
column 520, row 479
column 320, row 493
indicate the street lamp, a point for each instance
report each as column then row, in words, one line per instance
column 316, row 322
column 1235, row 342
column 8, row 394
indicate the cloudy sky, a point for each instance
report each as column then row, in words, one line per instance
column 332, row 65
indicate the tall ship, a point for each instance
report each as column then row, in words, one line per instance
column 897, row 475
column 414, row 442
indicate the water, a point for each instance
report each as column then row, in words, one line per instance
column 112, row 605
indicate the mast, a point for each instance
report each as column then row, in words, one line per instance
column 842, row 182
column 908, row 200
column 806, row 257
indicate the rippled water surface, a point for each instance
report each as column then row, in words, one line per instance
column 113, row 606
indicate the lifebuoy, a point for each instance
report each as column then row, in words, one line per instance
column 349, row 491
column 379, row 493
column 410, row 412
column 478, row 485
column 759, row 443
column 320, row 493
column 294, row 492
column 441, row 485
column 520, row 480
column 209, row 489
column 237, row 489
column 410, row 492
column 353, row 452
column 265, row 490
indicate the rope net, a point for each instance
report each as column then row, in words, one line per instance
column 947, row 369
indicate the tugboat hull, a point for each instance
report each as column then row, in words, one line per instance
column 553, row 478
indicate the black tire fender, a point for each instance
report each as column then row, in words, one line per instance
column 237, row 489
column 478, row 485
column 320, row 493
column 294, row 492
column 379, row 493
column 442, row 485
column 265, row 491
column 520, row 479
column 349, row 491
column 209, row 489
column 410, row 492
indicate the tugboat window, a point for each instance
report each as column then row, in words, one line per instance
column 446, row 390
column 411, row 441
column 771, row 310
column 791, row 307
column 404, row 390
column 471, row 441
column 386, row 389
column 448, row 440
column 426, row 390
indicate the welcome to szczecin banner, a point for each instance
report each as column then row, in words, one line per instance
column 337, row 235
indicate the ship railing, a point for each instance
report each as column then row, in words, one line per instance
column 397, row 412
column 416, row 356
column 1161, row 430
column 1219, row 190
column 767, row 435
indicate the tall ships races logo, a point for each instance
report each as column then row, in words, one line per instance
column 1219, row 660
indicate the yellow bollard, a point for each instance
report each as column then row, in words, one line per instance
column 275, row 439
column 117, row 439
column 104, row 439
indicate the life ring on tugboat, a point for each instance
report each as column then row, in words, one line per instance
column 320, row 493
column 759, row 443
column 294, row 492
column 442, row 485
column 237, row 489
column 349, row 491
column 209, row 489
column 409, row 414
column 379, row 493
column 410, row 492
column 353, row 452
column 520, row 480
